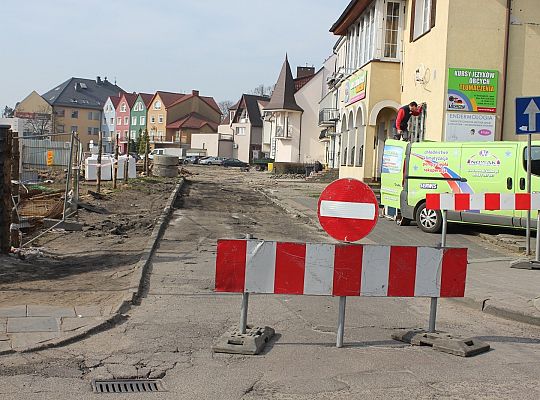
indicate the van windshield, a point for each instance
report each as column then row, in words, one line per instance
column 535, row 160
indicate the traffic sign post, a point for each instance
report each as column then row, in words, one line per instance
column 348, row 211
column 527, row 123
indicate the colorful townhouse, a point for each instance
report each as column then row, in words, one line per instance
column 108, row 125
column 139, row 113
column 174, row 117
column 244, row 127
column 123, row 120
column 467, row 60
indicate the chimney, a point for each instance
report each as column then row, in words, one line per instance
column 98, row 80
column 302, row 72
column 195, row 92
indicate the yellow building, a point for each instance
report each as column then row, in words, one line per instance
column 174, row 117
column 467, row 60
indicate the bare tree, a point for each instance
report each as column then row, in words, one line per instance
column 224, row 107
column 39, row 122
column 262, row 90
column 8, row 112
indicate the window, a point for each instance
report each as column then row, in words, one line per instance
column 423, row 17
column 119, row 121
column 60, row 128
column 126, row 120
column 361, row 40
column 60, row 113
column 112, row 121
column 74, row 128
column 96, row 116
column 123, row 108
column 391, row 29
column 96, row 131
column 160, row 118
column 157, row 105
column 133, row 120
column 152, row 119
column 143, row 120
column 90, row 115
column 132, row 134
column 240, row 130
column 535, row 160
column 75, row 114
column 89, row 130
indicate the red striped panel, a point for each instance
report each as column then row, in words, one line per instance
column 462, row 201
column 347, row 270
column 231, row 266
column 492, row 201
column 402, row 271
column 290, row 268
column 454, row 273
column 523, row 201
column 433, row 201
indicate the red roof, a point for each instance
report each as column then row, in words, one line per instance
column 115, row 100
column 208, row 100
column 300, row 82
column 131, row 98
column 168, row 98
column 193, row 121
column 146, row 98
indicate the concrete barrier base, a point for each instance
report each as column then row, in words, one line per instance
column 252, row 342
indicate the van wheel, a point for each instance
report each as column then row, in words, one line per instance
column 429, row 220
column 402, row 221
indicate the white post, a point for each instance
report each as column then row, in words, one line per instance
column 341, row 321
column 434, row 300
column 537, row 251
column 245, row 303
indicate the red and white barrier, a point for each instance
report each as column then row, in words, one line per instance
column 483, row 201
column 255, row 266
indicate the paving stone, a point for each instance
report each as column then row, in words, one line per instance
column 50, row 311
column 28, row 339
column 33, row 324
column 14, row 311
column 3, row 326
column 71, row 324
column 5, row 345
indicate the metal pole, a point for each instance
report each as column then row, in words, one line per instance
column 68, row 179
column 341, row 321
column 100, row 151
column 529, row 158
column 537, row 248
column 243, row 315
column 115, row 169
column 126, row 165
column 434, row 300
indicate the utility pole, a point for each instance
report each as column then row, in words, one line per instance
column 15, row 177
column 5, row 188
column 100, row 151
column 115, row 171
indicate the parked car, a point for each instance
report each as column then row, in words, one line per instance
column 234, row 162
column 212, row 161
column 192, row 160
column 167, row 151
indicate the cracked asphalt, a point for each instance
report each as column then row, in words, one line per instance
column 170, row 334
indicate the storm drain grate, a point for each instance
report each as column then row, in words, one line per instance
column 127, row 386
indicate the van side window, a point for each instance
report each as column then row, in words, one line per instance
column 535, row 160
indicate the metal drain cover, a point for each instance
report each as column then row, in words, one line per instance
column 126, row 386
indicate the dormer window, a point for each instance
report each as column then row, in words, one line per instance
column 157, row 105
column 123, row 108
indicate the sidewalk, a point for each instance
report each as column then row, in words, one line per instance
column 492, row 286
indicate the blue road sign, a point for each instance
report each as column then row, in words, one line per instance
column 527, row 115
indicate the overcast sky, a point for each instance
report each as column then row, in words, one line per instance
column 222, row 48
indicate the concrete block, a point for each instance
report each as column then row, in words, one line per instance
column 3, row 327
column 50, row 311
column 252, row 342
column 66, row 225
column 33, row 324
column 5, row 346
column 14, row 311
column 21, row 341
column 525, row 263
column 440, row 341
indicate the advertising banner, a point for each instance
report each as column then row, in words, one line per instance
column 355, row 87
column 473, row 90
column 469, row 127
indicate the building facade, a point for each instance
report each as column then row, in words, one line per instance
column 123, row 120
column 108, row 125
column 139, row 113
column 464, row 59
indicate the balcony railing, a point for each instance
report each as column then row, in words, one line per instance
column 328, row 117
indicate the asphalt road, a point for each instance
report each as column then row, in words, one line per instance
column 171, row 333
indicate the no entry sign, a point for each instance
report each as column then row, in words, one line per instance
column 348, row 210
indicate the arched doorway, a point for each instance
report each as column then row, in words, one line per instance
column 383, row 117
column 344, row 137
column 351, row 139
column 360, row 139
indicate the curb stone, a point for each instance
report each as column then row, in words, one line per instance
column 136, row 286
